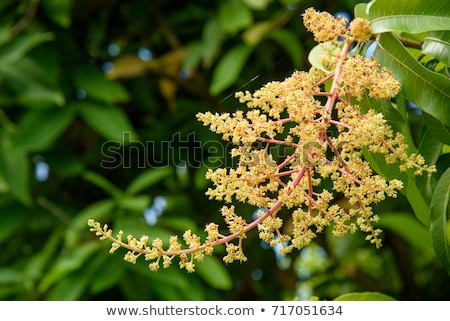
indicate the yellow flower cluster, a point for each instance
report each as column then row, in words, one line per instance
column 359, row 74
column 323, row 25
column 293, row 137
column 359, row 29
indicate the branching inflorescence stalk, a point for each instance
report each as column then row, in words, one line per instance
column 319, row 141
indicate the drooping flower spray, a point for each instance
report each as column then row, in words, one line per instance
column 322, row 134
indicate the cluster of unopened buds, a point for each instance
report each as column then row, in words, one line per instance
column 294, row 137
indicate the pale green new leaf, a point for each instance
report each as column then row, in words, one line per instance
column 413, row 16
column 317, row 53
column 360, row 10
column 427, row 89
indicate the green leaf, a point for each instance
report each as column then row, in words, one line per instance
column 212, row 37
column 290, row 43
column 147, row 179
column 70, row 288
column 15, row 168
column 412, row 16
column 36, row 87
column 234, row 15
column 39, row 129
column 437, row 128
column 65, row 161
column 229, row 67
column 257, row 4
column 103, row 183
column 108, row 120
column 40, row 97
column 214, row 273
column 19, row 46
column 194, row 55
column 39, row 262
column 429, row 146
column 364, row 296
column 417, row 201
column 408, row 227
column 440, row 215
column 99, row 211
column 256, row 32
column 68, row 262
column 448, row 232
column 110, row 276
column 73, row 286
column 59, row 11
column 97, row 87
column 12, row 216
column 167, row 284
column 437, row 44
column 428, row 90
column 10, row 275
column 134, row 203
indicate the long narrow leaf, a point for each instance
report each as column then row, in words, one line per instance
column 148, row 179
column 103, row 183
column 437, row 128
column 229, row 67
column 413, row 16
column 110, row 121
column 364, row 296
column 428, row 90
column 440, row 214
column 437, row 44
column 430, row 147
column 40, row 129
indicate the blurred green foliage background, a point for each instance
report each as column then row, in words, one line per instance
column 97, row 120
